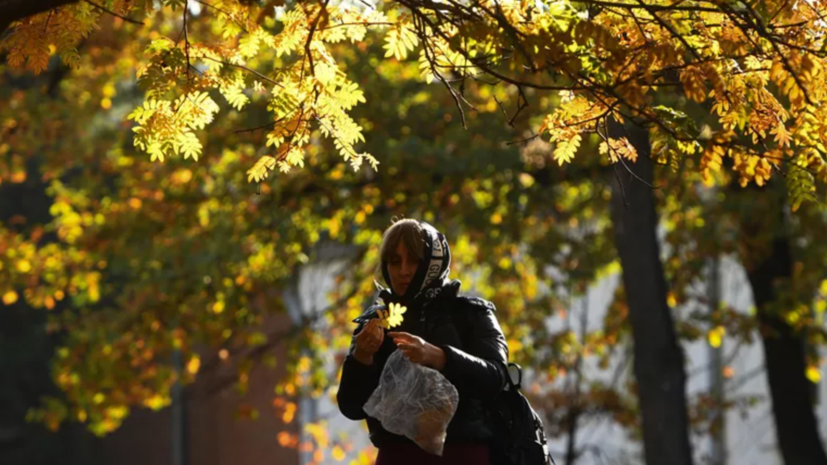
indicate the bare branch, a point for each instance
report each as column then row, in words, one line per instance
column 313, row 26
column 378, row 23
column 632, row 6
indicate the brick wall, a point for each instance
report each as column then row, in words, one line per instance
column 214, row 435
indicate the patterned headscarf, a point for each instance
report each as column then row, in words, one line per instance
column 432, row 273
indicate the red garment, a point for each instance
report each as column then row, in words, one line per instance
column 453, row 454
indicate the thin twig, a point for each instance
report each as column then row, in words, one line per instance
column 379, row 23
column 187, row 41
column 622, row 190
column 482, row 66
column 623, row 162
column 271, row 81
column 263, row 126
column 522, row 104
column 227, row 14
column 128, row 20
column 46, row 26
column 523, row 141
column 606, row 139
column 764, row 33
column 335, row 136
column 501, row 107
column 632, row 6
column 307, row 51
column 632, row 173
column 431, row 57
column 671, row 29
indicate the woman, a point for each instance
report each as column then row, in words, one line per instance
column 457, row 335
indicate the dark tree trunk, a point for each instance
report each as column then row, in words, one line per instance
column 785, row 357
column 658, row 359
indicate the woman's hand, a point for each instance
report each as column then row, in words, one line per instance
column 368, row 342
column 417, row 350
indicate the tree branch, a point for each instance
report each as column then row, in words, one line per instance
column 632, row 6
column 102, row 8
column 308, row 53
column 249, row 70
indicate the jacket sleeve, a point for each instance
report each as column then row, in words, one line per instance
column 480, row 370
column 357, row 384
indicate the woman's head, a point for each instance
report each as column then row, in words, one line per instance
column 401, row 252
column 415, row 256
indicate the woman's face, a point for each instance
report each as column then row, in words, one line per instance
column 402, row 267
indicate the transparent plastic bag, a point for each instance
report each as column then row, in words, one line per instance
column 414, row 401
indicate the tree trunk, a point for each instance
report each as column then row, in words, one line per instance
column 784, row 352
column 658, row 359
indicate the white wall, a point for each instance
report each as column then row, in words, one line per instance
column 308, row 297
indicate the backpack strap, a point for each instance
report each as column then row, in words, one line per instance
column 515, row 376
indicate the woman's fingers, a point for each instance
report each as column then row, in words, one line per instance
column 366, row 329
column 408, row 349
column 378, row 332
column 412, row 354
column 399, row 337
column 370, row 337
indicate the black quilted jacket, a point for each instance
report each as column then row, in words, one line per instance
column 476, row 368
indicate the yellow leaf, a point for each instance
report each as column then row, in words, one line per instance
column 514, row 346
column 782, row 136
column 248, row 45
column 157, row 402
column 671, row 300
column 716, row 336
column 813, row 374
column 117, row 412
column 400, row 40
column 383, row 318
column 504, row 263
column 10, row 297
column 194, row 364
column 526, row 180
column 338, row 453
column 24, row 266
column 392, row 317
column 261, row 169
column 565, row 150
